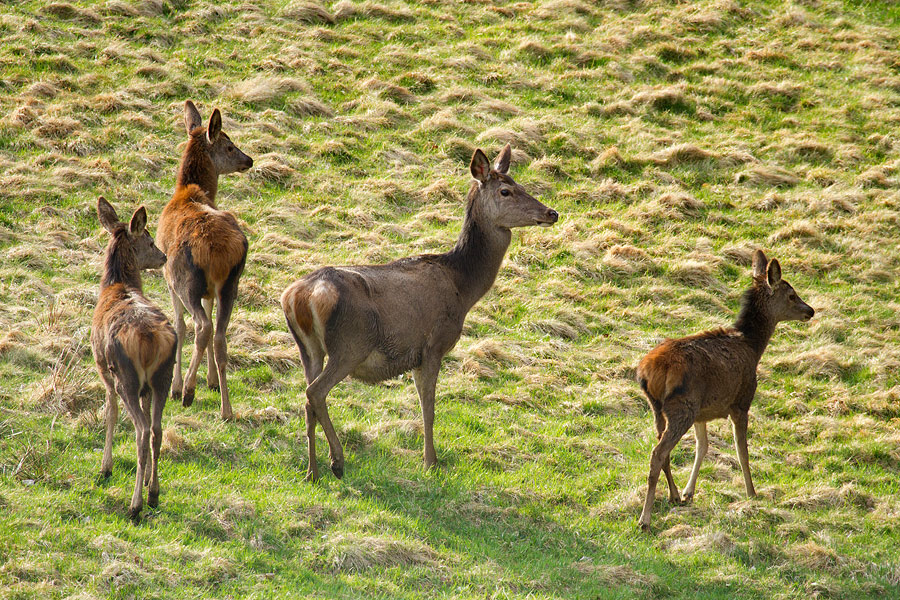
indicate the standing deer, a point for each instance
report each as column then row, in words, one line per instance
column 712, row 375
column 376, row 322
column 133, row 344
column 206, row 250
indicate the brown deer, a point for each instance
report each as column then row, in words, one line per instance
column 712, row 375
column 134, row 345
column 376, row 322
column 206, row 251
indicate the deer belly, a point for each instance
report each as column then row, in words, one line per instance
column 378, row 367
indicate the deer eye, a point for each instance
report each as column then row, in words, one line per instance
column 793, row 297
column 504, row 192
column 230, row 149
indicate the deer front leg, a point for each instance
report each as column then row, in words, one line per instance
column 112, row 418
column 212, row 371
column 739, row 424
column 426, row 381
column 702, row 447
column 179, row 342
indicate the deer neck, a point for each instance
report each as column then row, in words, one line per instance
column 197, row 168
column 754, row 322
column 478, row 254
column 120, row 266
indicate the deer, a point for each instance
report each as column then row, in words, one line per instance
column 374, row 322
column 133, row 345
column 712, row 375
column 206, row 251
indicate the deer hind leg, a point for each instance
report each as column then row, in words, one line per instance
column 146, row 401
column 179, row 342
column 313, row 359
column 129, row 386
column 226, row 297
column 426, row 381
column 674, row 497
column 202, row 333
column 338, row 367
column 676, row 426
column 212, row 373
column 112, row 418
column 702, row 447
column 160, row 384
column 739, row 424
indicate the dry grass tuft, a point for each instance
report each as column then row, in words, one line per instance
column 263, row 88
column 768, row 176
column 269, row 414
column 173, row 443
column 308, row 12
column 825, row 496
column 68, row 12
column 352, row 553
column 716, row 541
column 403, row 427
column 347, row 10
column 68, row 388
column 616, row 575
column 627, row 259
column 681, row 154
column 308, row 106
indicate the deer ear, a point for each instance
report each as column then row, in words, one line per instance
column 138, row 221
column 759, row 264
column 215, row 126
column 501, row 163
column 192, row 119
column 774, row 272
column 480, row 166
column 108, row 217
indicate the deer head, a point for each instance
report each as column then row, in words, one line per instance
column 146, row 254
column 781, row 302
column 225, row 156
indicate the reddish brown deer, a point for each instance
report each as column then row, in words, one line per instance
column 206, row 251
column 376, row 322
column 134, row 346
column 712, row 375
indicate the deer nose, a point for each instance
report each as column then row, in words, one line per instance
column 552, row 215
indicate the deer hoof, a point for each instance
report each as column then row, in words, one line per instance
column 338, row 470
column 176, row 393
column 645, row 526
column 153, row 499
column 213, row 386
column 134, row 514
column 188, row 398
column 687, row 498
column 312, row 477
column 103, row 477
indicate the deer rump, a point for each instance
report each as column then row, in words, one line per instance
column 383, row 317
column 708, row 367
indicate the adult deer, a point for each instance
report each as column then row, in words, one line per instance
column 133, row 344
column 206, row 251
column 376, row 322
column 712, row 375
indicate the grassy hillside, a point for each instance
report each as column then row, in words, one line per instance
column 673, row 138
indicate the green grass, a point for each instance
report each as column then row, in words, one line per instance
column 673, row 138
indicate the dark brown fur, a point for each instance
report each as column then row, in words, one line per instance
column 712, row 375
column 206, row 250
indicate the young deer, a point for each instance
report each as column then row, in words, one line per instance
column 134, row 345
column 206, row 250
column 376, row 322
column 712, row 375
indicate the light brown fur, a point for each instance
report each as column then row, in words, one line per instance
column 133, row 345
column 206, row 250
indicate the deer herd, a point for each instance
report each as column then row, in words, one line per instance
column 361, row 318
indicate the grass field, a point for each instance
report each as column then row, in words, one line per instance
column 673, row 137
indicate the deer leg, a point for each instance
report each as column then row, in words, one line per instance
column 313, row 359
column 132, row 403
column 675, row 429
column 702, row 447
column 112, row 418
column 212, row 373
column 179, row 342
column 426, row 380
column 739, row 424
column 161, row 383
column 202, row 332
column 667, row 467
column 226, row 297
column 316, row 392
column 146, row 401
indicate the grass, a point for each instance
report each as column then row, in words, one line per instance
column 673, row 138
